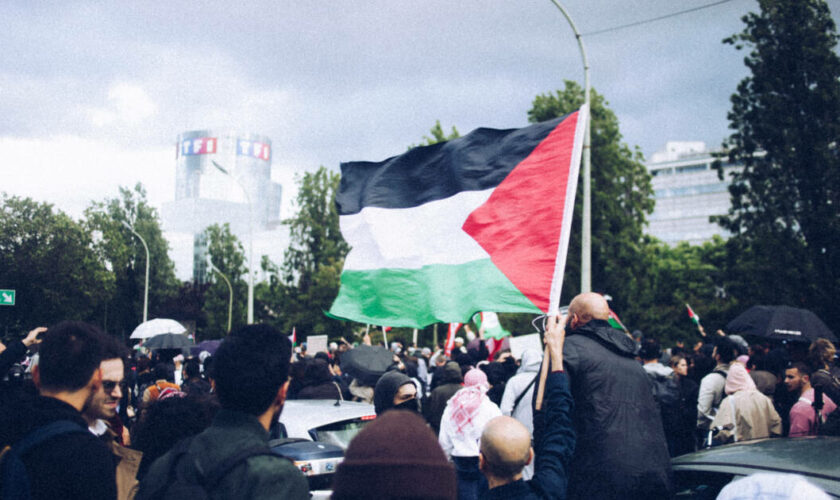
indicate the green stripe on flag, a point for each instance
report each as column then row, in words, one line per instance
column 435, row 293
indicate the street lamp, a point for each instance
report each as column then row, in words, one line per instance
column 586, row 237
column 146, row 294
column 250, row 242
column 230, row 292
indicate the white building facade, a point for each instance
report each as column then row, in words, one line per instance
column 687, row 192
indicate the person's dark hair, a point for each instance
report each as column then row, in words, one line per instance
column 143, row 364
column 803, row 368
column 112, row 348
column 161, row 372
column 69, row 354
column 322, row 355
column 317, row 372
column 650, row 349
column 192, row 369
column 251, row 365
column 727, row 349
column 164, row 422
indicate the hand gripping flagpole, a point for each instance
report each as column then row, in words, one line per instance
column 586, row 236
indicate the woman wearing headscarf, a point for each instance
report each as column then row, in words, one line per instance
column 745, row 413
column 463, row 421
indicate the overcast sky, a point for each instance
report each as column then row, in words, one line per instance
column 94, row 94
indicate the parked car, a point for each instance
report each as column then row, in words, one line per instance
column 704, row 473
column 314, row 433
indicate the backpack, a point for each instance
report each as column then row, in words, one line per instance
column 178, row 486
column 14, row 480
column 666, row 392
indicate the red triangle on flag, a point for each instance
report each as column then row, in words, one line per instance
column 520, row 224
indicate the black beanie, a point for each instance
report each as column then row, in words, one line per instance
column 386, row 388
column 395, row 456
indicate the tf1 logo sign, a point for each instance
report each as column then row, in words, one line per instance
column 253, row 149
column 198, row 146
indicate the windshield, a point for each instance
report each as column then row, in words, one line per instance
column 339, row 433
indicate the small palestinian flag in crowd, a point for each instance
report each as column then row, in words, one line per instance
column 615, row 322
column 450, row 338
column 293, row 337
column 692, row 315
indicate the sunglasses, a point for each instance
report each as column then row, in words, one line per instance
column 109, row 386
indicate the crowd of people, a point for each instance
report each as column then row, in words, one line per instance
column 600, row 416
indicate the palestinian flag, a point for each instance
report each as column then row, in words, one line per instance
column 615, row 322
column 493, row 329
column 450, row 338
column 478, row 223
column 692, row 316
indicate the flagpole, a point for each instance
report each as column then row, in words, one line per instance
column 586, row 236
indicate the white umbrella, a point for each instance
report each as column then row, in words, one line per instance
column 157, row 326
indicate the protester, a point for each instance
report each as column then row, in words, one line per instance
column 711, row 387
column 679, row 422
column 450, row 381
column 825, row 375
column 395, row 457
column 318, row 382
column 167, row 421
column 650, row 352
column 461, row 425
column 103, row 420
column 765, row 380
column 745, row 413
column 65, row 460
column 163, row 382
column 803, row 420
column 250, row 373
column 519, row 392
column 194, row 383
column 506, row 443
column 16, row 350
column 621, row 450
column 395, row 390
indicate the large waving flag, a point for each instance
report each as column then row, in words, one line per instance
column 478, row 223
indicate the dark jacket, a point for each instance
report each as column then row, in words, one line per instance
column 554, row 444
column 14, row 353
column 260, row 476
column 621, row 450
column 323, row 390
column 73, row 465
column 435, row 404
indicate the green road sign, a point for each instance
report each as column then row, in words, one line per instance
column 7, row 297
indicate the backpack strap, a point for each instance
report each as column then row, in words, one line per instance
column 522, row 394
column 13, row 473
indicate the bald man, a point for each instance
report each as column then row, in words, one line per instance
column 505, row 447
column 621, row 450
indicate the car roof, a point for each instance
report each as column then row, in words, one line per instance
column 301, row 415
column 816, row 457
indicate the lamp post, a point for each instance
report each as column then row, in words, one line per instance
column 586, row 237
column 230, row 292
column 146, row 294
column 250, row 243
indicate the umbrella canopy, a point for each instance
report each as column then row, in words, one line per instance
column 366, row 363
column 155, row 327
column 205, row 345
column 168, row 341
column 781, row 323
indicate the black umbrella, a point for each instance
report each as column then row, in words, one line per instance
column 168, row 341
column 781, row 323
column 366, row 363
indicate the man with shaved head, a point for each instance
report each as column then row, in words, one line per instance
column 506, row 444
column 621, row 450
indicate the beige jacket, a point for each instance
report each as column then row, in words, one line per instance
column 747, row 414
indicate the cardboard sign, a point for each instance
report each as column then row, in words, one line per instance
column 315, row 344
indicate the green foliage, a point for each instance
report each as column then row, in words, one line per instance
column 228, row 256
column 438, row 135
column 621, row 200
column 303, row 288
column 123, row 254
column 786, row 122
column 47, row 258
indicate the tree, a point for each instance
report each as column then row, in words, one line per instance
column 312, row 264
column 438, row 135
column 621, row 200
column 228, row 256
column 123, row 253
column 786, row 122
column 46, row 257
